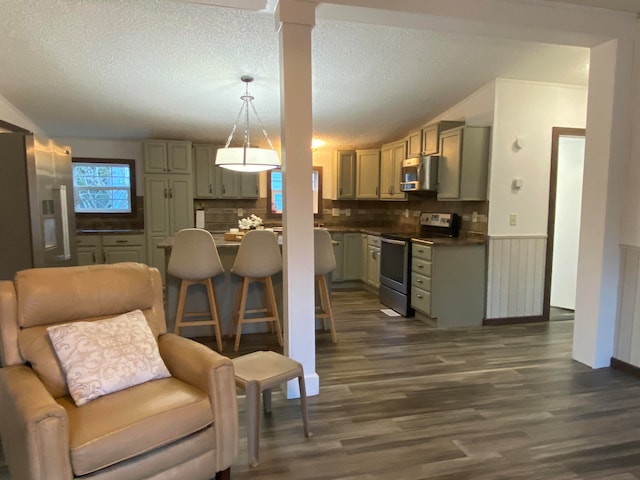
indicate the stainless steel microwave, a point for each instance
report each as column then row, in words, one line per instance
column 420, row 174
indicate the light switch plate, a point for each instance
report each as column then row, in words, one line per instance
column 335, row 212
column 513, row 219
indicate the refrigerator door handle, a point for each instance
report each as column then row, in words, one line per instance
column 64, row 220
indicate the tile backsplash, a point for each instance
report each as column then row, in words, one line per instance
column 220, row 215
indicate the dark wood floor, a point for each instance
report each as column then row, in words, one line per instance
column 400, row 400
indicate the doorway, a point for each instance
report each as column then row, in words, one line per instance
column 563, row 225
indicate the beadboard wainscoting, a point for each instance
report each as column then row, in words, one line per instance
column 627, row 347
column 515, row 277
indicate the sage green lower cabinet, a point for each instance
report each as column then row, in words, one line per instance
column 364, row 243
column 124, row 248
column 98, row 249
column 89, row 249
column 346, row 248
column 373, row 261
column 448, row 284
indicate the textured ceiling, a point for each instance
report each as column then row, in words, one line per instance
column 169, row 69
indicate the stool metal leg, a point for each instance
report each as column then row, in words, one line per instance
column 252, row 391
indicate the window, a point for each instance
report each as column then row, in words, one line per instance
column 104, row 186
column 275, row 186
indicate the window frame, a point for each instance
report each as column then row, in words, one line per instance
column 316, row 170
column 132, row 187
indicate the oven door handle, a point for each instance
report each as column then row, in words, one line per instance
column 394, row 242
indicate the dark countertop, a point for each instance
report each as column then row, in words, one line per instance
column 452, row 242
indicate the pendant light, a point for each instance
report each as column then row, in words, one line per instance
column 247, row 158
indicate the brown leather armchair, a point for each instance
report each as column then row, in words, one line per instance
column 184, row 426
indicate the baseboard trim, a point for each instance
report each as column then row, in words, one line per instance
column 513, row 320
column 625, row 367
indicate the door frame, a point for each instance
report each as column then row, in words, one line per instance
column 556, row 133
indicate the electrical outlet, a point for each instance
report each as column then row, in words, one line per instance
column 335, row 212
column 347, row 212
column 406, row 213
column 474, row 217
column 240, row 212
column 513, row 219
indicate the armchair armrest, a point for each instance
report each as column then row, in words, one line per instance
column 34, row 428
column 197, row 365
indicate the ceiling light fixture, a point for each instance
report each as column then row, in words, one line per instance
column 247, row 158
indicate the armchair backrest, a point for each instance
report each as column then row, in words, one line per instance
column 39, row 297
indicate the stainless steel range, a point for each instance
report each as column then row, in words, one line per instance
column 395, row 258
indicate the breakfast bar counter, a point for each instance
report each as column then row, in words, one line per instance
column 225, row 286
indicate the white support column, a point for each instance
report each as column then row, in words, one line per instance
column 295, row 21
column 607, row 152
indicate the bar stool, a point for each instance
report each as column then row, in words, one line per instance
column 257, row 260
column 195, row 260
column 324, row 262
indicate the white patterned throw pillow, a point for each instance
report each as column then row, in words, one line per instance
column 105, row 356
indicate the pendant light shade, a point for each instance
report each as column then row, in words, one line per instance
column 247, row 158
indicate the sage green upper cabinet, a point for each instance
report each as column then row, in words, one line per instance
column 167, row 156
column 206, row 175
column 391, row 158
column 368, row 174
column 431, row 135
column 414, row 144
column 464, row 163
column 345, row 169
column 238, row 184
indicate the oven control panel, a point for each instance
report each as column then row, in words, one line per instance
column 436, row 219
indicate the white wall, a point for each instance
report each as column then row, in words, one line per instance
column 476, row 109
column 121, row 149
column 530, row 110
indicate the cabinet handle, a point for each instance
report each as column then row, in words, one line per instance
column 418, row 295
column 257, row 191
column 420, row 266
column 210, row 189
column 419, row 281
column 166, row 194
column 377, row 190
column 224, row 189
column 420, row 250
column 93, row 256
column 122, row 241
column 171, row 193
column 104, row 257
column 340, row 191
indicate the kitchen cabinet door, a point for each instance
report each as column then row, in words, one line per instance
column 391, row 158
column 464, row 163
column 373, row 266
column 179, row 156
column 89, row 248
column 368, row 174
column 363, row 256
column 167, row 156
column 229, row 183
column 155, row 156
column 414, row 144
column 346, row 174
column 123, row 248
column 168, row 208
column 351, row 256
column 249, row 185
column 205, row 173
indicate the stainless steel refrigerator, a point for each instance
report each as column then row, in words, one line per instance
column 37, row 222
